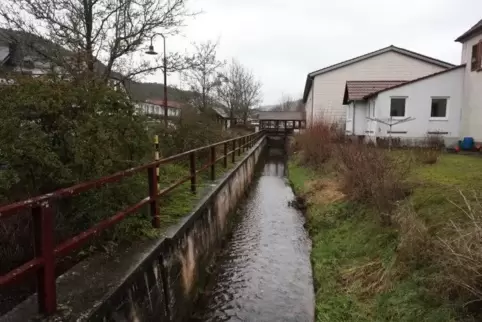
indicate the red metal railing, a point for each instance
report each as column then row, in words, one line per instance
column 46, row 252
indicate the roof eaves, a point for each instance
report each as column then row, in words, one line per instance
column 413, row 81
column 477, row 28
column 399, row 50
column 308, row 84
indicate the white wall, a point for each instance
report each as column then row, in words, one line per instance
column 349, row 123
column 356, row 118
column 309, row 106
column 360, row 118
column 418, row 105
column 329, row 87
column 472, row 101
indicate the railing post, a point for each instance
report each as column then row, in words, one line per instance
column 153, row 192
column 192, row 167
column 225, row 160
column 43, row 226
column 156, row 155
column 233, row 156
column 239, row 147
column 213, row 165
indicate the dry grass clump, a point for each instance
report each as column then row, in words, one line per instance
column 429, row 149
column 323, row 191
column 368, row 279
column 414, row 240
column 458, row 250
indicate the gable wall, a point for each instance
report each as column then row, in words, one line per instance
column 329, row 87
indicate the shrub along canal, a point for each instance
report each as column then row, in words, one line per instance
column 264, row 271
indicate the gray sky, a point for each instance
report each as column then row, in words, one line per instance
column 283, row 40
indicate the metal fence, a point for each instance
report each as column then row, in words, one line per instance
column 42, row 212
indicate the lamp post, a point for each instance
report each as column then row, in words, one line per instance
column 152, row 52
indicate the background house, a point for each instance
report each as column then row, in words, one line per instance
column 434, row 102
column 222, row 116
column 324, row 88
column 25, row 53
column 448, row 102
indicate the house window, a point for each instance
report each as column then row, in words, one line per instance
column 397, row 107
column 439, row 107
column 476, row 58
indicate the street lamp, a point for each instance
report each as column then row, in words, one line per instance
column 152, row 52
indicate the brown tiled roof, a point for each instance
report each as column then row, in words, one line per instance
column 477, row 28
column 281, row 116
column 357, row 90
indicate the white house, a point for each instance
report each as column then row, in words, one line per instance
column 434, row 102
column 448, row 102
column 324, row 87
column 156, row 109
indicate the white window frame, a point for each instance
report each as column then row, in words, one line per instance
column 390, row 108
column 443, row 118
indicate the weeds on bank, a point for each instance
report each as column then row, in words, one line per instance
column 403, row 242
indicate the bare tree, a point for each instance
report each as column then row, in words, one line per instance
column 239, row 91
column 203, row 77
column 93, row 31
column 287, row 103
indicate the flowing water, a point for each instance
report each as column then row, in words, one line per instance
column 264, row 271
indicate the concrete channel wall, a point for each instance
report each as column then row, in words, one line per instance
column 156, row 280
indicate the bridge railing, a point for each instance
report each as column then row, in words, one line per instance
column 282, row 125
column 42, row 212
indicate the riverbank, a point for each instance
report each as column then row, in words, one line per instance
column 365, row 271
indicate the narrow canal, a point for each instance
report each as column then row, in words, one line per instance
column 264, row 271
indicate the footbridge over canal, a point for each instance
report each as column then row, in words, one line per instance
column 281, row 122
column 241, row 254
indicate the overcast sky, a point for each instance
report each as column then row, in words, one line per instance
column 281, row 41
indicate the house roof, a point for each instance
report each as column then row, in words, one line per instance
column 17, row 45
column 357, row 90
column 21, row 44
column 221, row 111
column 476, row 29
column 402, row 51
column 414, row 81
column 281, row 116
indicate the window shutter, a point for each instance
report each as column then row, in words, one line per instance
column 479, row 56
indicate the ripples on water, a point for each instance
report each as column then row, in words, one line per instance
column 264, row 273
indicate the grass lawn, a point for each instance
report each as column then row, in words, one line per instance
column 356, row 270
